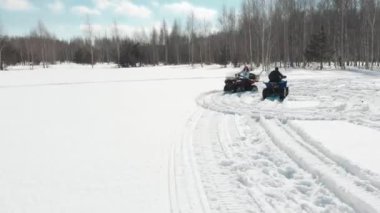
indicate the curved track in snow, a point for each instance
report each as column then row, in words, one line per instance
column 246, row 155
column 238, row 168
column 337, row 99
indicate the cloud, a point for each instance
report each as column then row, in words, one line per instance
column 103, row 4
column 123, row 7
column 15, row 5
column 129, row 9
column 57, row 6
column 155, row 3
column 83, row 10
column 186, row 8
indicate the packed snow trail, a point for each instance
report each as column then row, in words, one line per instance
column 186, row 191
column 362, row 196
column 242, row 170
column 316, row 179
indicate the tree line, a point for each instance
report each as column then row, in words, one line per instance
column 288, row 33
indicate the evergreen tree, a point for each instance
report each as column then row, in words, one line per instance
column 82, row 56
column 222, row 56
column 154, row 49
column 318, row 48
column 175, row 39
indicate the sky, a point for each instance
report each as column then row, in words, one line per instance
column 67, row 18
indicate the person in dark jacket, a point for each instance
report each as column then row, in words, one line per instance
column 276, row 76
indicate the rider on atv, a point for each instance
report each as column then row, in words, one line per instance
column 276, row 76
column 276, row 86
column 241, row 82
column 244, row 73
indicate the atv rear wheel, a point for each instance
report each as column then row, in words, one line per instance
column 265, row 93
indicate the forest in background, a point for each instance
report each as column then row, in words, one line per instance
column 289, row 33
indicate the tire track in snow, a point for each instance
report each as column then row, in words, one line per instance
column 185, row 187
column 255, row 193
column 226, row 140
column 231, row 104
column 243, row 171
column 347, row 187
column 319, row 150
column 172, row 183
column 212, row 154
column 285, row 186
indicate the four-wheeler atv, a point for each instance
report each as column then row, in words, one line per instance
column 276, row 90
column 240, row 84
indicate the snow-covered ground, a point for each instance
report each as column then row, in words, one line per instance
column 167, row 139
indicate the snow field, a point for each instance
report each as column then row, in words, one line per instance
column 83, row 140
column 166, row 139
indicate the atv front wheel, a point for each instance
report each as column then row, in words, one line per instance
column 229, row 87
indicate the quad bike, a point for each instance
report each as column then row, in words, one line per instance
column 239, row 84
column 276, row 90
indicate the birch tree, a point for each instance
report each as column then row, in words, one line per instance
column 191, row 36
column 90, row 38
column 116, row 40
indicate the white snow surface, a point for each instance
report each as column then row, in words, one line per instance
column 360, row 143
column 168, row 139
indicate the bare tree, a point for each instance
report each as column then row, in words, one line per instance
column 153, row 43
column 232, row 23
column 90, row 38
column 246, row 31
column 340, row 6
column 191, row 36
column 116, row 40
column 43, row 36
column 223, row 22
column 206, row 34
column 250, row 26
column 30, row 48
column 164, row 40
column 370, row 7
